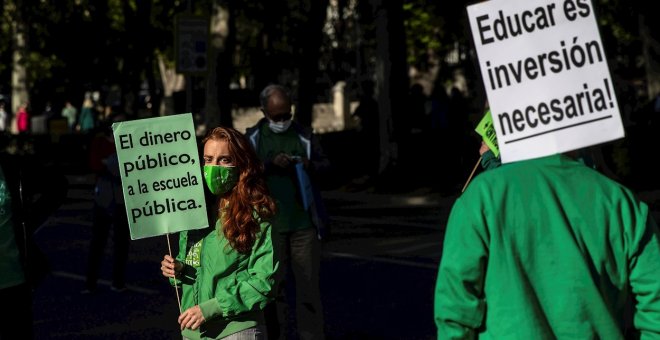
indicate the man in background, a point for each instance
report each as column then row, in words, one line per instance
column 286, row 148
column 71, row 114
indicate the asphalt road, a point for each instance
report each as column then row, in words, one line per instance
column 377, row 272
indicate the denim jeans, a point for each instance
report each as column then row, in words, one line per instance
column 255, row 333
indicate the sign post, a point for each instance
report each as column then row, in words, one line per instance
column 191, row 44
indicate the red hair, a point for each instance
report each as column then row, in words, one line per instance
column 250, row 195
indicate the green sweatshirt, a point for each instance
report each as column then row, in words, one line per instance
column 547, row 249
column 231, row 288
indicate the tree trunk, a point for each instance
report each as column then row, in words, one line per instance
column 221, row 49
column 650, row 36
column 19, row 86
column 311, row 52
column 138, row 61
column 226, row 69
column 391, row 77
column 266, row 68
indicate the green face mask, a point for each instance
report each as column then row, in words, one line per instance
column 220, row 179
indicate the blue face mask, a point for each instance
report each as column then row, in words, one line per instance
column 220, row 179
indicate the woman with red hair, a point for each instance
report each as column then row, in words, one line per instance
column 227, row 272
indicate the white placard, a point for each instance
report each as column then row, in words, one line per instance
column 546, row 76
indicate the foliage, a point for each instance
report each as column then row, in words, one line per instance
column 78, row 45
column 434, row 29
column 424, row 29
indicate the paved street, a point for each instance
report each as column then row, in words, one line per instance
column 377, row 275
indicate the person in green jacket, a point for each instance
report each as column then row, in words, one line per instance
column 87, row 119
column 548, row 248
column 227, row 272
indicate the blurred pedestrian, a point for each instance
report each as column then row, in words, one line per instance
column 87, row 119
column 458, row 136
column 71, row 114
column 548, row 248
column 108, row 212
column 367, row 112
column 417, row 116
column 439, row 134
column 30, row 191
column 287, row 148
column 23, row 119
column 49, row 114
column 4, row 117
column 227, row 271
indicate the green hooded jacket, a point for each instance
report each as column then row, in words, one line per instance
column 231, row 288
column 548, row 249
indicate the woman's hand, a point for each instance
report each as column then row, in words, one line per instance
column 191, row 318
column 483, row 148
column 170, row 267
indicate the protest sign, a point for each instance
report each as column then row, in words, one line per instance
column 546, row 76
column 161, row 175
column 488, row 134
